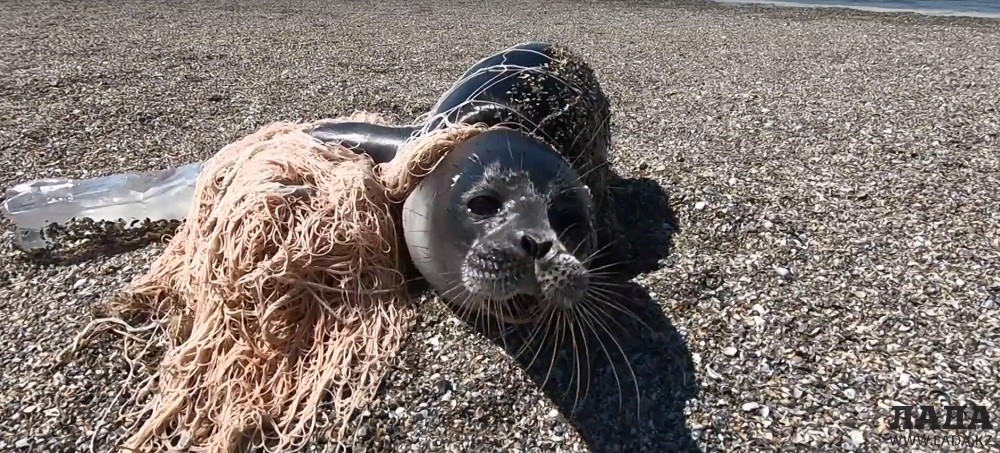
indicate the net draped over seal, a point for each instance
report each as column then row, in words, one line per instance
column 284, row 289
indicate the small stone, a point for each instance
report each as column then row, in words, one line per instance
column 553, row 413
column 768, row 224
column 730, row 351
column 850, row 393
column 904, row 379
column 747, row 407
column 79, row 283
column 989, row 304
column 783, row 272
column 22, row 443
column 700, row 205
column 797, row 393
column 857, row 437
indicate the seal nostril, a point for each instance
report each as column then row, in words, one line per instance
column 529, row 245
column 543, row 249
column 534, row 248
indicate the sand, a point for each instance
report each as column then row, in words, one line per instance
column 832, row 175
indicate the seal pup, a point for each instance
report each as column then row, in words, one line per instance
column 517, row 222
column 519, row 210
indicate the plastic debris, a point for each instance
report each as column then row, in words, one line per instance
column 154, row 195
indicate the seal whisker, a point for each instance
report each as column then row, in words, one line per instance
column 456, row 286
column 464, row 308
column 606, row 298
column 586, row 349
column 560, row 333
column 546, row 315
column 576, row 249
column 590, row 321
column 573, row 323
column 594, row 296
column 596, row 253
column 596, row 309
column 606, row 271
column 548, row 328
column 499, row 320
column 478, row 320
column 598, row 281
column 628, row 363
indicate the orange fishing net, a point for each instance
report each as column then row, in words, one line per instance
column 284, row 290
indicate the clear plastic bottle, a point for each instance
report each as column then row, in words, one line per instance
column 156, row 195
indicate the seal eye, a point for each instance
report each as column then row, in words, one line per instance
column 484, row 205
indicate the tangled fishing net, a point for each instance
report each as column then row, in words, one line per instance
column 284, row 290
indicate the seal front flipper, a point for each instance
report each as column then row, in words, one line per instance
column 380, row 142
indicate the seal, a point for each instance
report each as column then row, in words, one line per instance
column 519, row 210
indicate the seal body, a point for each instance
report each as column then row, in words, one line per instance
column 541, row 176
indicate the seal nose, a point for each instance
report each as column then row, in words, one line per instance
column 535, row 248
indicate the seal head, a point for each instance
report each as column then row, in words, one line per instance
column 502, row 216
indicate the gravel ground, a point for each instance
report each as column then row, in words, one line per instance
column 833, row 175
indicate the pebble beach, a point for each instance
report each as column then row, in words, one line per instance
column 815, row 191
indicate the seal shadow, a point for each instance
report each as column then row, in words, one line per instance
column 622, row 381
